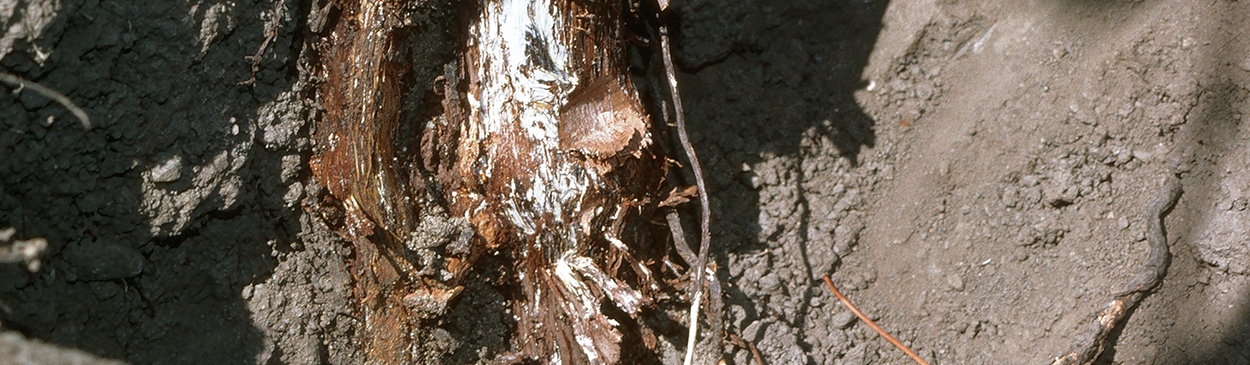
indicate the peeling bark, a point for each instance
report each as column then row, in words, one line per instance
column 554, row 159
column 354, row 161
column 543, row 146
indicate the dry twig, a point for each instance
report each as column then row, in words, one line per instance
column 738, row 341
column 873, row 324
column 704, row 234
column 271, row 33
column 1090, row 343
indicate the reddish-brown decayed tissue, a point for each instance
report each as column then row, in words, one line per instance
column 570, row 207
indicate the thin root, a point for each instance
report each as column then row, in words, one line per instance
column 1090, row 341
column 22, row 84
column 679, row 237
column 873, row 324
column 705, row 235
column 738, row 341
column 271, row 33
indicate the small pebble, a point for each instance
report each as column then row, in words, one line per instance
column 770, row 282
column 168, row 171
column 1123, row 158
column 843, row 319
column 291, row 166
column 294, row 193
column 955, row 282
column 751, row 179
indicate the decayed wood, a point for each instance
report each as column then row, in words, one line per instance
column 361, row 98
column 543, row 146
column 550, row 155
column 354, row 161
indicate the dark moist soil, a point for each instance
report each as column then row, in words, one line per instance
column 974, row 175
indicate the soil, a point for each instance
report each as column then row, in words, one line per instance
column 974, row 175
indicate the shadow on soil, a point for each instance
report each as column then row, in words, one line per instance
column 1209, row 132
column 785, row 82
column 154, row 95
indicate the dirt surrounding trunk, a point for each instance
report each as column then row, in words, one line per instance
column 974, row 175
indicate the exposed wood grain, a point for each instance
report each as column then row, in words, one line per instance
column 353, row 160
column 543, row 145
column 554, row 160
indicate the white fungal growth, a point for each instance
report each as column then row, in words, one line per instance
column 525, row 76
column 553, row 194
